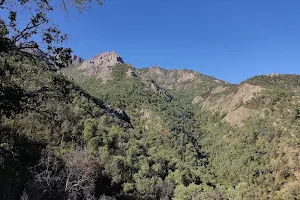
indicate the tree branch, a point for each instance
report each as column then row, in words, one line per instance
column 2, row 2
column 34, row 47
column 19, row 36
column 46, row 2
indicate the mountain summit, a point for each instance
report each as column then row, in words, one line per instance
column 101, row 65
column 76, row 60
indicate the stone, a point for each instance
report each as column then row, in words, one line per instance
column 76, row 60
column 101, row 65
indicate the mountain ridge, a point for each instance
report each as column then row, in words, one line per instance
column 173, row 134
column 200, row 90
column 245, row 128
column 117, row 59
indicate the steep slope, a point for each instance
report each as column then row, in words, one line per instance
column 81, row 148
column 186, row 84
column 76, row 60
column 260, row 141
column 238, row 103
column 248, row 133
column 180, row 79
column 229, row 102
column 43, row 111
column 101, row 65
column 166, row 124
column 106, row 66
column 109, row 66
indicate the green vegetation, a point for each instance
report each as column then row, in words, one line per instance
column 64, row 135
column 50, row 112
column 276, row 81
column 41, row 109
column 162, row 148
column 248, row 162
column 59, row 142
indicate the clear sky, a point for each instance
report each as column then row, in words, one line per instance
column 230, row 39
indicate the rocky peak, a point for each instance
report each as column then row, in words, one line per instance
column 76, row 60
column 103, row 59
column 107, row 58
column 101, row 65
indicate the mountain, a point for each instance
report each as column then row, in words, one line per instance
column 44, row 115
column 102, row 129
column 101, row 65
column 249, row 133
column 199, row 89
column 180, row 79
column 76, row 60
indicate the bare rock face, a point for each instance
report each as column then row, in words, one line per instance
column 197, row 100
column 157, row 89
column 130, row 73
column 218, row 89
column 101, row 65
column 76, row 60
column 231, row 103
column 186, row 76
column 237, row 116
column 172, row 76
column 176, row 79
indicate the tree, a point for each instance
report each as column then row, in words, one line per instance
column 73, row 177
column 40, row 36
column 81, row 173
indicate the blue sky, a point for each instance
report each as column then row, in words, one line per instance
column 230, row 39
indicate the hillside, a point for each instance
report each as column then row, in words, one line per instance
column 60, row 142
column 99, row 128
column 103, row 129
column 249, row 133
column 46, row 116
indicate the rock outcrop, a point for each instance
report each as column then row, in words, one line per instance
column 157, row 89
column 179, row 80
column 231, row 102
column 130, row 73
column 237, row 116
column 101, row 65
column 218, row 89
column 76, row 60
column 197, row 100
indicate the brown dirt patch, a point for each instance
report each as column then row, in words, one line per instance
column 238, row 115
column 218, row 89
column 197, row 100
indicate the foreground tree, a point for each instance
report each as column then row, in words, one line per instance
column 72, row 177
column 38, row 35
